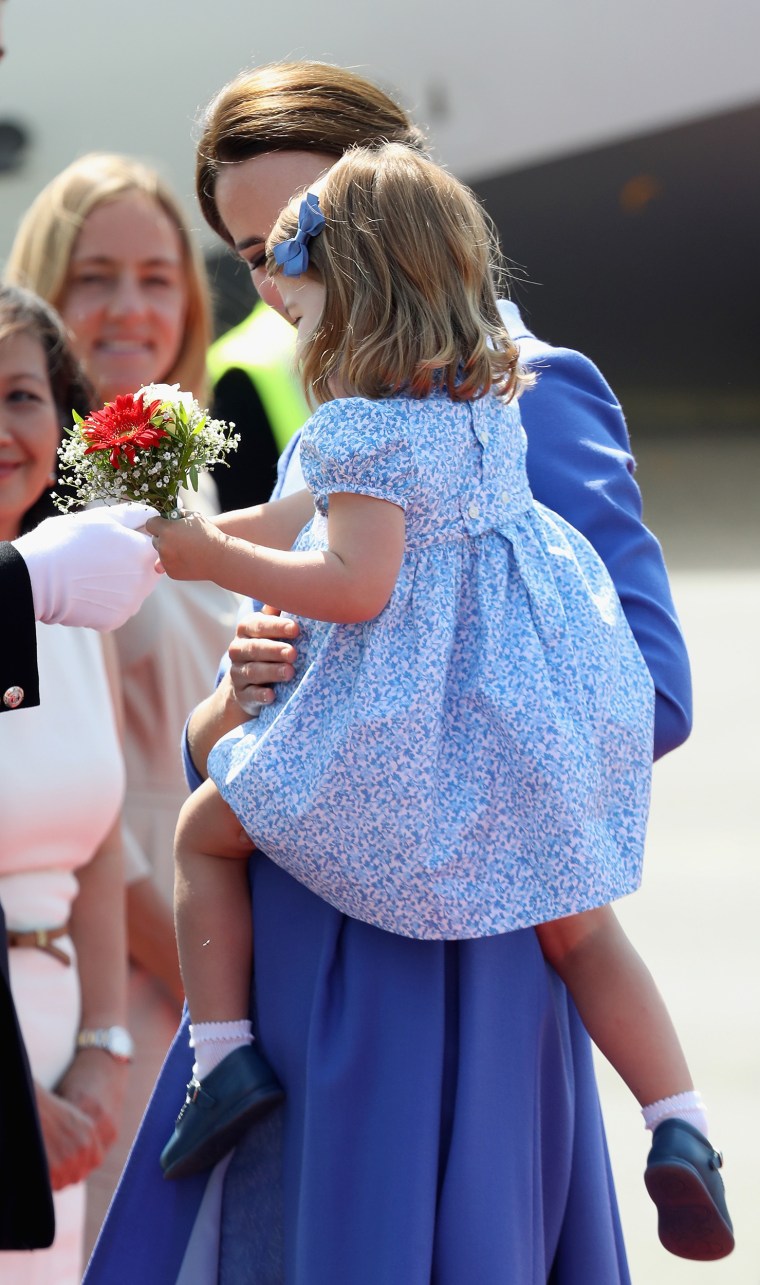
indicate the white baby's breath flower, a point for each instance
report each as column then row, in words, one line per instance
column 147, row 445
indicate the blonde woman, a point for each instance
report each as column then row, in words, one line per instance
column 107, row 244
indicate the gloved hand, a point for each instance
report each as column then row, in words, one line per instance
column 91, row 568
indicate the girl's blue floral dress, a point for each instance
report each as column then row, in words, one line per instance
column 477, row 758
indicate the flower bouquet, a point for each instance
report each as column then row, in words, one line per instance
column 142, row 446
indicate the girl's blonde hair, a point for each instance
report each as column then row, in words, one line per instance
column 302, row 106
column 409, row 261
column 41, row 254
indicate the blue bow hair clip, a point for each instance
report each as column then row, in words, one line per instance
column 293, row 255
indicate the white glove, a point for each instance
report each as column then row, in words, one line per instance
column 92, row 568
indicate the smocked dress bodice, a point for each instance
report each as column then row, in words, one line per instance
column 476, row 758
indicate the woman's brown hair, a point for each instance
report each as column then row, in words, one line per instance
column 24, row 313
column 293, row 106
column 410, row 263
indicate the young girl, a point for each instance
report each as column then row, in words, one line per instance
column 469, row 735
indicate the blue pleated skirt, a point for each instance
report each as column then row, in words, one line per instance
column 441, row 1125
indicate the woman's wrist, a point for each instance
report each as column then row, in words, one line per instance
column 217, row 714
column 115, row 1040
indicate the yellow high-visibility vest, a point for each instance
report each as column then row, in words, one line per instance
column 263, row 346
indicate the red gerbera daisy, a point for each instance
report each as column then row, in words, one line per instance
column 122, row 427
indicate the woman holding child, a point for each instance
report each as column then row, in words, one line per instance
column 441, row 1120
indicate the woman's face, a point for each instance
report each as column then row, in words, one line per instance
column 29, row 429
column 250, row 195
column 125, row 298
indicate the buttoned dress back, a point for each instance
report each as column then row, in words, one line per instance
column 477, row 758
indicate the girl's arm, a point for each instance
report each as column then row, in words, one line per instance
column 350, row 581
column 275, row 524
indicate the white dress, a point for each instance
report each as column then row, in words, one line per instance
column 61, row 788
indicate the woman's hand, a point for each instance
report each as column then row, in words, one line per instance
column 95, row 1084
column 261, row 654
column 72, row 1144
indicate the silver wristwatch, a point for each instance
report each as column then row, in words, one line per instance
column 111, row 1039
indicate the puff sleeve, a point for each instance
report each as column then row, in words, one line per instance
column 359, row 446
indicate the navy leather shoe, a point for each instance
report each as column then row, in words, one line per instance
column 216, row 1113
column 683, row 1180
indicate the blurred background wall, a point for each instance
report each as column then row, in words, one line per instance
column 615, row 145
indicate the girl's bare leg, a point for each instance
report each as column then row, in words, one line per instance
column 212, row 908
column 618, row 1002
column 626, row 1018
column 232, row 1085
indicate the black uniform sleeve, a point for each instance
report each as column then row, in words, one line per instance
column 26, row 1201
column 19, row 682
column 253, row 466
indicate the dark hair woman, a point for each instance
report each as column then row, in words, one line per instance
column 441, row 1120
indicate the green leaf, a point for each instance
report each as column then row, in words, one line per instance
column 194, row 477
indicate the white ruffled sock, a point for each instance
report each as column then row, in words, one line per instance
column 212, row 1042
column 683, row 1106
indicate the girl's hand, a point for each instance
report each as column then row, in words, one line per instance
column 71, row 1140
column 261, row 654
column 189, row 548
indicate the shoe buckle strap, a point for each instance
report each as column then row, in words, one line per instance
column 195, row 1093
